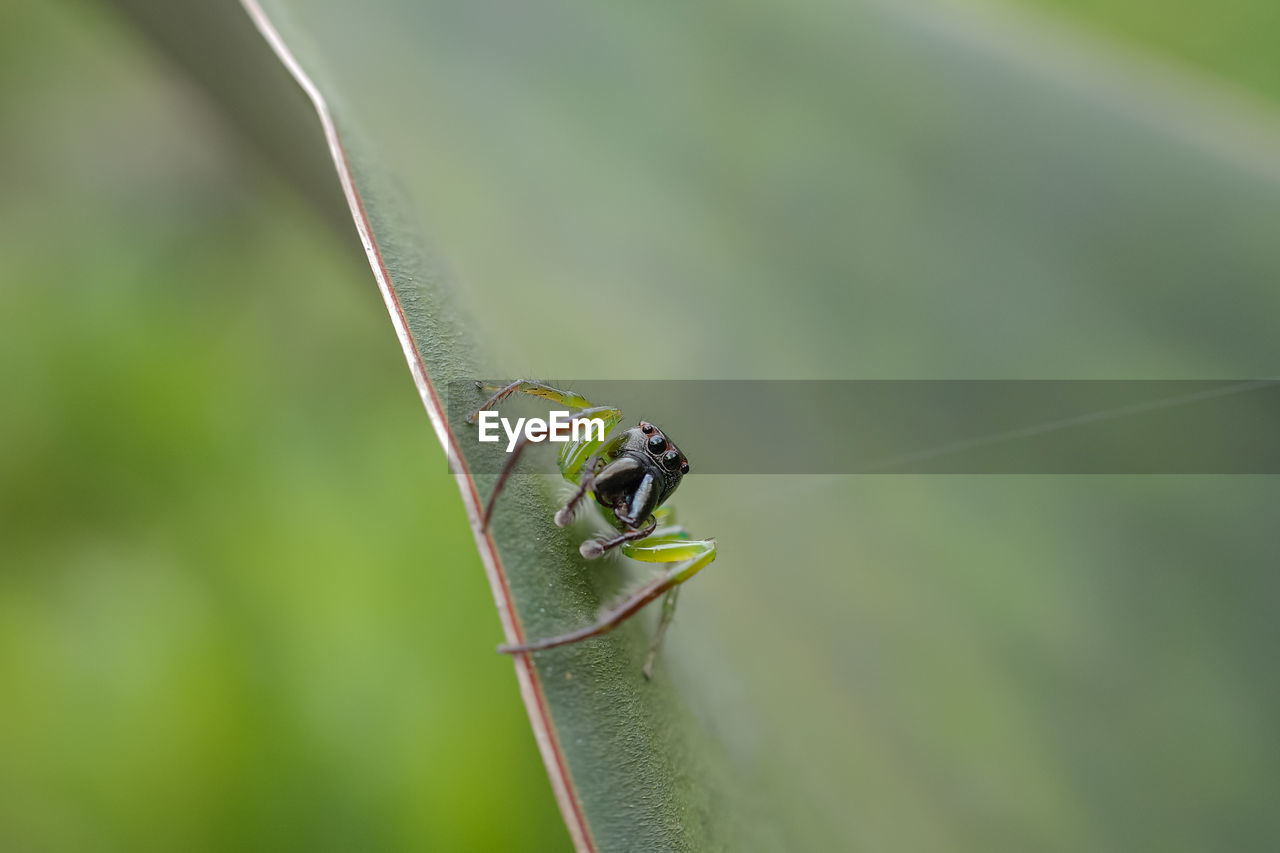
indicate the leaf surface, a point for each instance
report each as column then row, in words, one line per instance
column 831, row 190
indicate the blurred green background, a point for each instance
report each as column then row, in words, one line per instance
column 240, row 607
column 1231, row 39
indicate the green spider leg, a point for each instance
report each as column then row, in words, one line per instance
column 683, row 558
column 661, row 541
column 574, row 455
column 666, row 529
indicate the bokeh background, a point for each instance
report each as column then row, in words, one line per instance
column 239, row 603
column 240, row 606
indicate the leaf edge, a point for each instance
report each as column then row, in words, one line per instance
column 531, row 690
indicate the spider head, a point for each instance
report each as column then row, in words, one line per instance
column 645, row 469
column 652, row 447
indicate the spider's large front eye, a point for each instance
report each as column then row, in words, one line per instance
column 657, row 443
column 671, row 460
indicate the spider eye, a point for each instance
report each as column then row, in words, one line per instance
column 657, row 443
column 671, row 460
column 684, row 467
column 646, row 428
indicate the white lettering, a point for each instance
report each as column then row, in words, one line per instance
column 589, row 423
column 512, row 434
column 560, row 428
column 488, row 421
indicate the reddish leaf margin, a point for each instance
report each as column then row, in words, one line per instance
column 530, row 686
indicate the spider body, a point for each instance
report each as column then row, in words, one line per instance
column 630, row 473
column 642, row 469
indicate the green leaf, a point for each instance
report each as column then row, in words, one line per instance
column 827, row 190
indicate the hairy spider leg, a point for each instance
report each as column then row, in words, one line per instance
column 664, row 542
column 664, row 622
column 685, row 558
column 594, row 547
column 665, row 516
column 532, row 388
column 574, row 455
column 585, row 481
column 573, row 462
